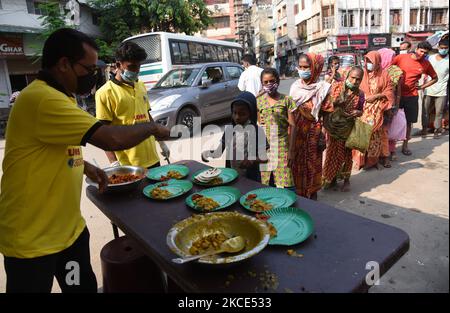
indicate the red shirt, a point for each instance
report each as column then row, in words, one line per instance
column 412, row 72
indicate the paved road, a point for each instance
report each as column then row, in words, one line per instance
column 413, row 195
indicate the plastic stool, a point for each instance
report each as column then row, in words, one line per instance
column 126, row 269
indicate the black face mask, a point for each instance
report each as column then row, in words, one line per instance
column 85, row 83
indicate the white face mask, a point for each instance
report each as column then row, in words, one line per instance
column 369, row 67
column 403, row 51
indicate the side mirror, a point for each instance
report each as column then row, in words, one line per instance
column 206, row 83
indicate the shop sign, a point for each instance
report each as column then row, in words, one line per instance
column 379, row 40
column 11, row 45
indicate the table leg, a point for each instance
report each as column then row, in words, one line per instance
column 115, row 230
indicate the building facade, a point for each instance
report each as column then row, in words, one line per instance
column 328, row 26
column 286, row 37
column 263, row 35
column 19, row 40
column 223, row 26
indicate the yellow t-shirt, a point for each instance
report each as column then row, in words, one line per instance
column 42, row 173
column 122, row 104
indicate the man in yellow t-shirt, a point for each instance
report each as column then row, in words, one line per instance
column 123, row 101
column 42, row 232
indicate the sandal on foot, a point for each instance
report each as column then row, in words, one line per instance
column 406, row 152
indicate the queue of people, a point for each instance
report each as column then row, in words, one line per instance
column 43, row 162
column 320, row 115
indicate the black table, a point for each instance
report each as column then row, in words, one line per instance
column 334, row 256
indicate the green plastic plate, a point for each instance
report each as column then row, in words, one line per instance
column 224, row 195
column 157, row 172
column 174, row 186
column 277, row 197
column 227, row 175
column 292, row 224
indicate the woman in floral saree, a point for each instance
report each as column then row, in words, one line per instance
column 306, row 139
column 377, row 88
column 347, row 101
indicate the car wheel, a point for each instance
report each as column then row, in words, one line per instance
column 186, row 117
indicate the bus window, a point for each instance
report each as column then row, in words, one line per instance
column 236, row 56
column 184, row 52
column 200, row 52
column 225, row 54
column 214, row 56
column 193, row 52
column 207, row 51
column 220, row 56
column 233, row 55
column 176, row 54
column 240, row 55
column 152, row 46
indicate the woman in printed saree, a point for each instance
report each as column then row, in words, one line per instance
column 396, row 76
column 275, row 118
column 347, row 101
column 306, row 139
column 377, row 88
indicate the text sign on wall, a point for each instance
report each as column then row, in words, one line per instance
column 11, row 45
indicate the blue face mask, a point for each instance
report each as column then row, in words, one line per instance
column 443, row 52
column 129, row 76
column 305, row 75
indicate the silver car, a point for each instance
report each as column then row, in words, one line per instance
column 202, row 90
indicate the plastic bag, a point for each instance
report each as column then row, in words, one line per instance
column 359, row 137
column 397, row 130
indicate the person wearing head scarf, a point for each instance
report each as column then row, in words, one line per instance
column 347, row 101
column 307, row 141
column 244, row 140
column 276, row 118
column 377, row 88
column 396, row 76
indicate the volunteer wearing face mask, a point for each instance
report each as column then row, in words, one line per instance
column 123, row 100
column 276, row 118
column 347, row 101
column 42, row 231
column 413, row 65
column 436, row 95
column 379, row 94
column 307, row 141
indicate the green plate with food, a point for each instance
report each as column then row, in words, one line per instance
column 225, row 176
column 270, row 198
column 167, row 172
column 292, row 225
column 168, row 189
column 213, row 199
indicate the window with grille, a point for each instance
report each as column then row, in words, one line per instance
column 33, row 7
column 413, row 16
column 437, row 16
column 152, row 46
column 348, row 19
column 375, row 18
column 396, row 17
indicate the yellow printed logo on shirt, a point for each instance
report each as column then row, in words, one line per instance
column 75, row 157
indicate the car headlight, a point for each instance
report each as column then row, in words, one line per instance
column 164, row 103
